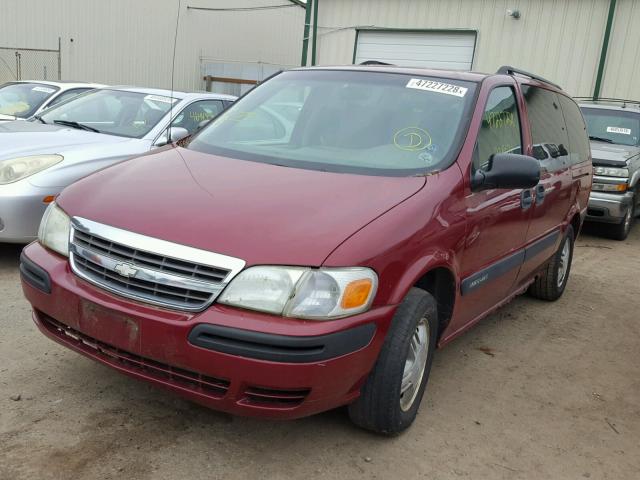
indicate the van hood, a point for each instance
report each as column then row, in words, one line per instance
column 261, row 213
column 20, row 138
column 606, row 154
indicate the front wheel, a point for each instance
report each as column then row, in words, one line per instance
column 621, row 230
column 552, row 281
column 391, row 396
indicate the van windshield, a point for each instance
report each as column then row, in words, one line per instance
column 373, row 123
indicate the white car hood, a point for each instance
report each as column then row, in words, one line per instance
column 84, row 152
column 20, row 138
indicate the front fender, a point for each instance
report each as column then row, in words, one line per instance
column 424, row 232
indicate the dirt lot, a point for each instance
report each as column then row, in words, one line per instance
column 554, row 395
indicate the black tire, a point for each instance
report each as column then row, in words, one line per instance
column 547, row 285
column 621, row 230
column 379, row 406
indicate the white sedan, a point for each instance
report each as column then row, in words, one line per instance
column 71, row 140
column 25, row 98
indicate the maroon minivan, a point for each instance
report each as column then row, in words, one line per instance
column 314, row 244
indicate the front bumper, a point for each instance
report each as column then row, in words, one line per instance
column 608, row 207
column 155, row 345
column 21, row 209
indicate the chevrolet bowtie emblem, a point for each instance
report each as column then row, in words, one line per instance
column 126, row 270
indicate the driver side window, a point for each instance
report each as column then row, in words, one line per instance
column 500, row 129
column 197, row 114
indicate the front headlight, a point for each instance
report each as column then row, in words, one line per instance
column 316, row 294
column 15, row 169
column 611, row 172
column 54, row 230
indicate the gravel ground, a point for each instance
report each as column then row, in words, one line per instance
column 535, row 391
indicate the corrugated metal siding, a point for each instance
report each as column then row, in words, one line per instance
column 452, row 50
column 131, row 42
column 622, row 70
column 558, row 39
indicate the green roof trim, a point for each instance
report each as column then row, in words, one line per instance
column 299, row 3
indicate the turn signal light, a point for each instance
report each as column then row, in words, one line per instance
column 356, row 293
column 48, row 199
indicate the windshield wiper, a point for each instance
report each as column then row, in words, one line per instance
column 39, row 118
column 600, row 139
column 77, row 125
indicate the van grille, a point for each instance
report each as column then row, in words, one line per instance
column 112, row 259
column 179, row 297
column 193, row 381
column 147, row 259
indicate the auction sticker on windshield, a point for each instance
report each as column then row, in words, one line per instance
column 624, row 131
column 438, row 87
column 158, row 98
column 43, row 89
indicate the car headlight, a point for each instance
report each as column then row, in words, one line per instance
column 15, row 169
column 611, row 172
column 609, row 187
column 55, row 229
column 316, row 294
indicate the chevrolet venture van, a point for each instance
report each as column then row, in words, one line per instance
column 314, row 245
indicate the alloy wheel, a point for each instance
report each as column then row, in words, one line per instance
column 415, row 364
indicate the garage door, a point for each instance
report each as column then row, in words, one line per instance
column 452, row 50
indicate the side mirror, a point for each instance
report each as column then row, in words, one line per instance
column 507, row 170
column 177, row 133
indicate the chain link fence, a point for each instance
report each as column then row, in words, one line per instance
column 29, row 64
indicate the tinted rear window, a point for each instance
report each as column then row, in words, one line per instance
column 548, row 130
column 579, row 149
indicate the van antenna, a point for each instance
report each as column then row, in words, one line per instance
column 173, row 68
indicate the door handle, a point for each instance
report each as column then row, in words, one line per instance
column 540, row 191
column 526, row 199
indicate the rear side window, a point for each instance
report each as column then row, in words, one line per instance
column 548, row 130
column 500, row 129
column 576, row 129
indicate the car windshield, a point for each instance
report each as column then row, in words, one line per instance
column 23, row 99
column 114, row 112
column 619, row 126
column 374, row 123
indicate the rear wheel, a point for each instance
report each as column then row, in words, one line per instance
column 552, row 281
column 391, row 396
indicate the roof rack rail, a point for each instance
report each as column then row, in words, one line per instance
column 375, row 62
column 508, row 70
column 623, row 101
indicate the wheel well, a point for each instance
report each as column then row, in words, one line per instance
column 575, row 223
column 440, row 283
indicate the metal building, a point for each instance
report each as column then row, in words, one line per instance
column 563, row 40
column 131, row 41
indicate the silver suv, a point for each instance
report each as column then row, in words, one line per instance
column 614, row 130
